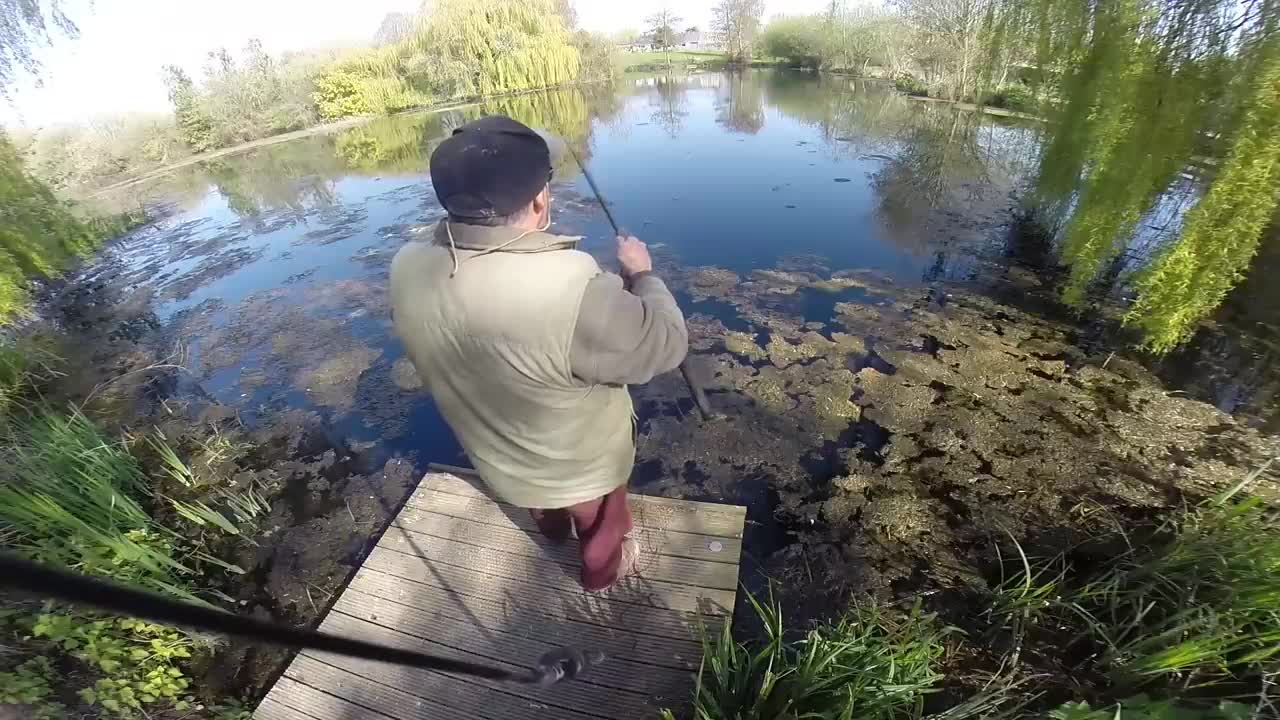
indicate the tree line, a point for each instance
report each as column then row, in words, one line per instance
column 452, row 50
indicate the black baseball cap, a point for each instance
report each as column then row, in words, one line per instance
column 490, row 167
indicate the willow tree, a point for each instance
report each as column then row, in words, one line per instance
column 498, row 46
column 460, row 49
column 1141, row 87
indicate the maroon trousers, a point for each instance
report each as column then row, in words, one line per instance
column 602, row 524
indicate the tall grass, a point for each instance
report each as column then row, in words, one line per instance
column 872, row 664
column 1195, row 606
column 73, row 497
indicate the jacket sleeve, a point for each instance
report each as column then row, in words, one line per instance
column 625, row 337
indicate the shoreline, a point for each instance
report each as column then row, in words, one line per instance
column 321, row 129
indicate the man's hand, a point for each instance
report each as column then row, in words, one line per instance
column 634, row 256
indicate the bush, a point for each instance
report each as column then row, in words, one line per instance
column 599, row 58
column 1018, row 98
column 911, row 85
column 799, row 41
column 75, row 158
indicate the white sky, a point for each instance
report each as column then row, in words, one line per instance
column 114, row 66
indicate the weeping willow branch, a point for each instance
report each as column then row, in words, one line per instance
column 1222, row 232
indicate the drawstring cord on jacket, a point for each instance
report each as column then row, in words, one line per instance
column 453, row 248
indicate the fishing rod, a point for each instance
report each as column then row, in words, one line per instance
column 23, row 575
column 699, row 395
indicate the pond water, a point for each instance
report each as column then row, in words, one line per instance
column 880, row 333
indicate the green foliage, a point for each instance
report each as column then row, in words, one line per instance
column 911, row 85
column 31, row 683
column 1019, row 98
column 138, row 661
column 26, row 363
column 1142, row 707
column 195, row 126
column 73, row 497
column 232, row 710
column 239, row 101
column 1221, row 234
column 1199, row 604
column 463, row 49
column 341, row 93
column 599, row 59
column 39, row 235
column 799, row 41
column 26, row 25
column 1144, row 86
column 77, row 158
column 873, row 663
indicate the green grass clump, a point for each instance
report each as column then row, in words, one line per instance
column 872, row 664
column 72, row 497
column 1198, row 605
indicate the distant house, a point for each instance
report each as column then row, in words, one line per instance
column 692, row 39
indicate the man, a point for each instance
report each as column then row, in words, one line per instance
column 527, row 346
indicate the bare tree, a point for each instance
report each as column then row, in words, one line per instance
column 737, row 22
column 949, row 32
column 662, row 28
column 568, row 14
column 25, row 24
column 395, row 27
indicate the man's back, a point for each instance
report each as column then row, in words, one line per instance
column 493, row 343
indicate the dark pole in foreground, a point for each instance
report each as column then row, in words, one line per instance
column 699, row 395
column 23, row 575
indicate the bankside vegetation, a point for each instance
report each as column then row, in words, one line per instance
column 40, row 235
column 74, row 495
column 1184, row 623
column 1163, row 149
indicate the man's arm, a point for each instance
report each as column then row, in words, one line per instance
column 625, row 337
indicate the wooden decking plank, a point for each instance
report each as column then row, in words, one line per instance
column 310, row 702
column 577, row 605
column 620, row 672
column 653, row 512
column 635, row 589
column 514, row 541
column 579, row 697
column 385, row 690
column 530, row 620
column 272, row 709
column 670, row 542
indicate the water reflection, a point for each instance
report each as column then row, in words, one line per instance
column 740, row 104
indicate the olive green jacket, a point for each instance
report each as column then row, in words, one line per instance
column 526, row 347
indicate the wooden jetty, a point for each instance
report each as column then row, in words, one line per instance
column 462, row 575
